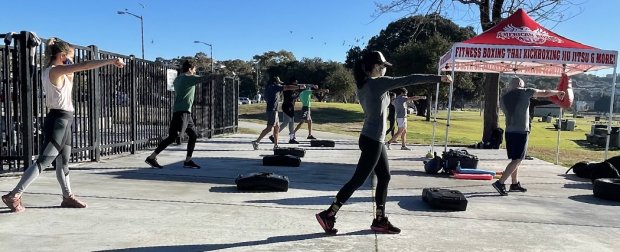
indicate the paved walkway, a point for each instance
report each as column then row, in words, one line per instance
column 136, row 208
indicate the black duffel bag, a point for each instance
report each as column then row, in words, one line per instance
column 452, row 158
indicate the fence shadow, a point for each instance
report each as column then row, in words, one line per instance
column 223, row 171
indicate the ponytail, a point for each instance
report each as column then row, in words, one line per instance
column 55, row 46
column 359, row 73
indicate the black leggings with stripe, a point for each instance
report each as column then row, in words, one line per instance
column 56, row 145
column 373, row 157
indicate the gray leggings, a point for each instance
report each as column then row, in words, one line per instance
column 290, row 121
column 56, row 143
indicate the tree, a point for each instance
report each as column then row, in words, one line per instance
column 414, row 44
column 602, row 104
column 341, row 84
column 490, row 13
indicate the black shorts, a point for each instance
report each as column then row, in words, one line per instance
column 516, row 145
column 180, row 122
column 305, row 114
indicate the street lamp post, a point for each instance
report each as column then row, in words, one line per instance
column 257, row 64
column 211, row 48
column 141, row 26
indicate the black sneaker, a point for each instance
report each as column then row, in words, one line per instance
column 384, row 226
column 517, row 188
column 293, row 141
column 191, row 164
column 327, row 222
column 273, row 140
column 311, row 137
column 153, row 163
column 501, row 188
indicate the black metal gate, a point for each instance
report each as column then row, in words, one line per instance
column 116, row 110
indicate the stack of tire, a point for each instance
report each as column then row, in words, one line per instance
column 604, row 175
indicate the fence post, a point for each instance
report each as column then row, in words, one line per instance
column 25, row 81
column 133, row 107
column 212, row 109
column 94, row 90
column 236, row 104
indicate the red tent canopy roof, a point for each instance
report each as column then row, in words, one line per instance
column 520, row 29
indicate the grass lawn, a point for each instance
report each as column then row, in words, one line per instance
column 465, row 129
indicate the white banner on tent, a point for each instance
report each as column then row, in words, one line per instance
column 526, row 59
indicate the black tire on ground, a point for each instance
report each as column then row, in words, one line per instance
column 606, row 188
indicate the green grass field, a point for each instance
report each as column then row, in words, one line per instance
column 465, row 129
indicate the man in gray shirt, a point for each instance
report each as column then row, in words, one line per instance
column 515, row 103
column 400, row 105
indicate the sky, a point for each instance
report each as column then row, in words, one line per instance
column 240, row 29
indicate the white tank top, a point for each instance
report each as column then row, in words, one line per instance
column 57, row 97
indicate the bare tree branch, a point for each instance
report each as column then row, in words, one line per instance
column 476, row 2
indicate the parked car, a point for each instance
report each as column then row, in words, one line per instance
column 244, row 100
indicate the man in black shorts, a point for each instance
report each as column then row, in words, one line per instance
column 271, row 98
column 515, row 103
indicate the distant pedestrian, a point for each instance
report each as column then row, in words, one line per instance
column 57, row 81
column 400, row 103
column 515, row 103
column 391, row 118
column 306, row 106
column 271, row 98
column 184, row 89
column 372, row 90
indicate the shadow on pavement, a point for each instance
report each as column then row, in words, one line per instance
column 590, row 199
column 270, row 240
column 587, row 186
column 409, row 203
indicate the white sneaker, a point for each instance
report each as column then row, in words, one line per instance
column 255, row 145
column 388, row 145
column 404, row 148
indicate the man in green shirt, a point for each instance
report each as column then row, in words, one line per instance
column 185, row 89
column 306, row 98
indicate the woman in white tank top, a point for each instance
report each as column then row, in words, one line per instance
column 57, row 78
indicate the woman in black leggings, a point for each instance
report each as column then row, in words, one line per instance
column 372, row 88
column 57, row 80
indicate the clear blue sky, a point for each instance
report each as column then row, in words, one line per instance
column 240, row 29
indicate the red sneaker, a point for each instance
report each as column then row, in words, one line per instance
column 384, row 226
column 72, row 202
column 14, row 203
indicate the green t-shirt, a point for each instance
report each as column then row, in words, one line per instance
column 185, row 88
column 305, row 97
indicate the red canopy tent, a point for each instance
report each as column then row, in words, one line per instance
column 519, row 45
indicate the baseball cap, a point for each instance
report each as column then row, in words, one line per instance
column 375, row 57
column 277, row 80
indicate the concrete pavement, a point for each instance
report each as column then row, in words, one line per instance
column 136, row 208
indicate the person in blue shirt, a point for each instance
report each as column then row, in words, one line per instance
column 272, row 90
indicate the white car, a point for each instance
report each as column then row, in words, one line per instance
column 244, row 100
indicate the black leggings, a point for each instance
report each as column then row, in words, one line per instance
column 181, row 122
column 391, row 127
column 373, row 157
